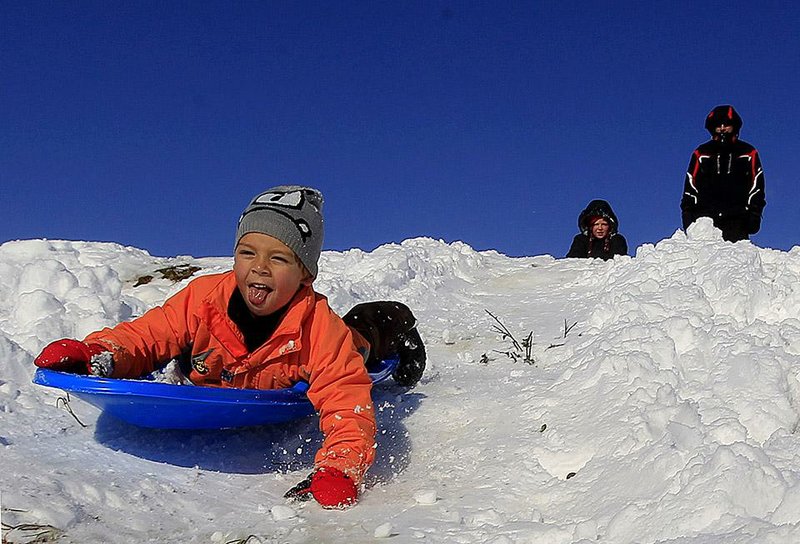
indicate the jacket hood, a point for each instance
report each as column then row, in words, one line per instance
column 724, row 114
column 598, row 208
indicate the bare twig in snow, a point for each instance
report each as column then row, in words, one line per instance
column 68, row 408
column 521, row 350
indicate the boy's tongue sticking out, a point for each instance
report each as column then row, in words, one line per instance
column 257, row 294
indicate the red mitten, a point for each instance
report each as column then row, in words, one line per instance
column 333, row 489
column 69, row 355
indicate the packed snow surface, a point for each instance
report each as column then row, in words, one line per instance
column 658, row 402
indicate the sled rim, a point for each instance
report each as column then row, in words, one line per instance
column 146, row 403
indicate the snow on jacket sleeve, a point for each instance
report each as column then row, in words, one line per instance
column 162, row 333
column 340, row 389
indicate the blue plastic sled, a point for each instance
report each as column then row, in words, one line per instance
column 167, row 406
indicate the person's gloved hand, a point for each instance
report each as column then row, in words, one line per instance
column 753, row 223
column 330, row 487
column 69, row 355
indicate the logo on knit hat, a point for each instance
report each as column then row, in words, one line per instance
column 291, row 201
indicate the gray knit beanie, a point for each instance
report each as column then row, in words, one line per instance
column 293, row 215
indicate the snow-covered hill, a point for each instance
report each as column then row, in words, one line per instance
column 661, row 406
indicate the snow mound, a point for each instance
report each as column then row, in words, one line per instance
column 660, row 403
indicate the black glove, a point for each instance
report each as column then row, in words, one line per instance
column 687, row 219
column 753, row 223
column 301, row 492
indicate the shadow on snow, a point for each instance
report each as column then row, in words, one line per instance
column 284, row 447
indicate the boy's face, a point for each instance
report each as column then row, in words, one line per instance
column 268, row 273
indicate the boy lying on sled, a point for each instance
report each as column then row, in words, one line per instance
column 262, row 326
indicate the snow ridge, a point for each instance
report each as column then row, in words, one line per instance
column 662, row 405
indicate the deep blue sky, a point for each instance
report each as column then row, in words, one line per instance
column 152, row 124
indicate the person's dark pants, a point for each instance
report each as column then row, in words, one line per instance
column 390, row 329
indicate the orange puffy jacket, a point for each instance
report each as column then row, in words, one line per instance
column 311, row 343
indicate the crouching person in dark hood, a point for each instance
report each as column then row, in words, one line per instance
column 599, row 237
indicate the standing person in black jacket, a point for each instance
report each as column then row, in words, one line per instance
column 724, row 180
column 599, row 237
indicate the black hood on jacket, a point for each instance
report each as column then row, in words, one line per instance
column 598, row 208
column 724, row 114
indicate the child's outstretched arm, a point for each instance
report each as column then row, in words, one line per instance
column 340, row 390
column 160, row 334
column 134, row 348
